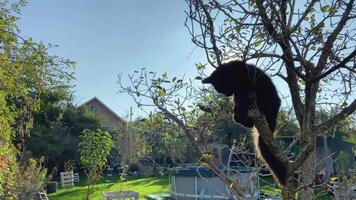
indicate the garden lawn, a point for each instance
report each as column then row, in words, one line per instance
column 144, row 186
column 151, row 185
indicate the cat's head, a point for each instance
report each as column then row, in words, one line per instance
column 223, row 79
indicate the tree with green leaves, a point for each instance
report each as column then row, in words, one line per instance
column 176, row 101
column 216, row 111
column 27, row 71
column 309, row 45
column 167, row 143
column 57, row 124
column 94, row 148
column 130, row 143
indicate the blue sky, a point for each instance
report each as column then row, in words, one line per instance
column 109, row 37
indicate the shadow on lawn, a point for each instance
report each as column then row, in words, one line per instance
column 81, row 191
column 149, row 182
column 109, row 181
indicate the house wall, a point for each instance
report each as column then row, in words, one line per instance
column 110, row 120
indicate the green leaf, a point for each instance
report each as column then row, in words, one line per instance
column 258, row 43
column 162, row 92
column 177, row 102
column 200, row 66
column 325, row 8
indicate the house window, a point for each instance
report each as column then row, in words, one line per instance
column 109, row 127
column 93, row 108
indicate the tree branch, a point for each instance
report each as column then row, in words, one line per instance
column 190, row 132
column 292, row 72
column 335, row 67
column 340, row 116
column 308, row 149
column 211, row 30
column 307, row 11
column 283, row 6
column 260, row 55
column 325, row 53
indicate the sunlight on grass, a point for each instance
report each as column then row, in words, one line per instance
column 144, row 186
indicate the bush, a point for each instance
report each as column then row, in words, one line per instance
column 29, row 179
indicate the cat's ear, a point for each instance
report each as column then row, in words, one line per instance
column 207, row 80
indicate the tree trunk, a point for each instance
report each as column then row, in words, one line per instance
column 307, row 175
column 287, row 191
column 87, row 195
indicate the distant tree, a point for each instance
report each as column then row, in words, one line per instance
column 352, row 139
column 94, row 148
column 130, row 143
column 215, row 111
column 342, row 129
column 168, row 146
column 287, row 124
column 150, row 139
column 175, row 98
column 59, row 124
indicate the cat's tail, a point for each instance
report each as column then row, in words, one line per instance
column 277, row 167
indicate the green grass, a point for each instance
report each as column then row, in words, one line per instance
column 144, row 186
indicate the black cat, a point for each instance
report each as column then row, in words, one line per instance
column 240, row 79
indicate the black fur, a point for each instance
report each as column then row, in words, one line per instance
column 240, row 79
column 278, row 168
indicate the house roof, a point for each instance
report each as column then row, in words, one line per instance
column 105, row 106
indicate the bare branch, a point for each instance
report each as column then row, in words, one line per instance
column 308, row 149
column 260, row 55
column 292, row 5
column 210, row 27
column 340, row 116
column 338, row 66
column 301, row 19
column 283, row 5
column 288, row 59
column 332, row 37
